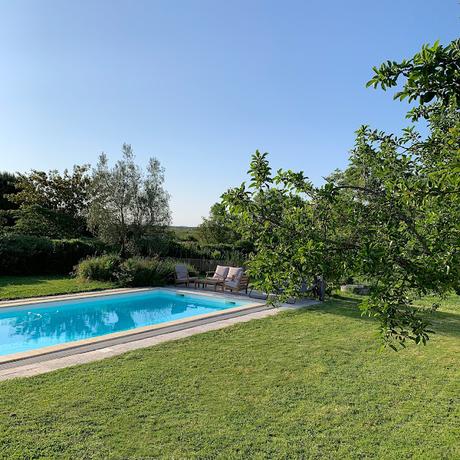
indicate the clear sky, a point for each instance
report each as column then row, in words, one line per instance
column 201, row 84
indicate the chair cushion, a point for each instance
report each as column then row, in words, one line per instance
column 234, row 274
column 220, row 273
column 181, row 271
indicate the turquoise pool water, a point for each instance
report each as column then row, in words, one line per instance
column 30, row 327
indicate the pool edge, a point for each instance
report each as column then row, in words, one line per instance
column 73, row 296
column 154, row 328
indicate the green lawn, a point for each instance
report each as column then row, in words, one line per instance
column 302, row 384
column 18, row 287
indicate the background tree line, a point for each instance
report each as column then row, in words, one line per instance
column 51, row 220
column 116, row 204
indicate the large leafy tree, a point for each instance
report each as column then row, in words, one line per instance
column 50, row 203
column 7, row 188
column 218, row 228
column 297, row 232
column 126, row 202
column 392, row 216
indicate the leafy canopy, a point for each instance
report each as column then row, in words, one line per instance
column 67, row 192
column 431, row 76
column 217, row 228
column 392, row 217
column 50, row 203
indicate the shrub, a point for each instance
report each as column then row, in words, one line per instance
column 101, row 268
column 33, row 255
column 135, row 271
column 140, row 271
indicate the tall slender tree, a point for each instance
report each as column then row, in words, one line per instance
column 127, row 202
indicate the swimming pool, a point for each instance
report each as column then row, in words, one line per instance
column 35, row 326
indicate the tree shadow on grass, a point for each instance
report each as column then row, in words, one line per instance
column 443, row 323
column 343, row 306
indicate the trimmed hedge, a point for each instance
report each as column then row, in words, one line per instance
column 32, row 255
column 218, row 251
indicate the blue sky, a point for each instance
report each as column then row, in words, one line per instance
column 202, row 84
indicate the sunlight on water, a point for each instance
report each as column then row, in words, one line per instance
column 40, row 325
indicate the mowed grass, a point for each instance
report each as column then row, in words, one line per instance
column 18, row 287
column 302, row 384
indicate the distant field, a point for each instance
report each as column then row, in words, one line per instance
column 184, row 233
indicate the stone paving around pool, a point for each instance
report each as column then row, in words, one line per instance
column 76, row 357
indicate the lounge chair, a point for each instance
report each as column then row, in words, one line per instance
column 182, row 276
column 236, row 280
column 220, row 273
column 218, row 277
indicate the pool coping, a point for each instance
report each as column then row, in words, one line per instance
column 71, row 296
column 130, row 334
